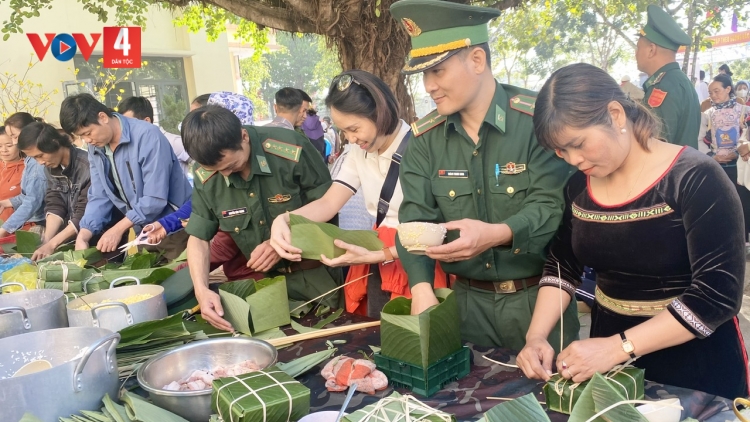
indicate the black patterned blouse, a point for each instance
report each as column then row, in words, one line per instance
column 678, row 246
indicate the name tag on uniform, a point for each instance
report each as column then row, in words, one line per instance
column 453, row 173
column 233, row 213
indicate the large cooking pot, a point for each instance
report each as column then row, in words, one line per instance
column 180, row 362
column 84, row 369
column 88, row 311
column 31, row 310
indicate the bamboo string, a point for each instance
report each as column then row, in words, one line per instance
column 329, row 292
column 409, row 405
column 559, row 285
column 509, row 365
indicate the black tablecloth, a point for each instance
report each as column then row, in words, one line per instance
column 467, row 397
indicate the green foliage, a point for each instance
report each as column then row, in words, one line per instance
column 128, row 12
column 254, row 72
column 214, row 21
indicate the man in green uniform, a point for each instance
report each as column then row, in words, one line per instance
column 475, row 165
column 245, row 177
column 668, row 91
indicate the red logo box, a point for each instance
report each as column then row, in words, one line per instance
column 122, row 47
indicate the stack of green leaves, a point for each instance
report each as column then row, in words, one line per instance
column 255, row 306
column 261, row 396
column 562, row 395
column 420, row 339
column 315, row 239
column 399, row 408
column 135, row 409
column 26, row 244
column 140, row 342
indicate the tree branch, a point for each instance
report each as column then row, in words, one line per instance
column 263, row 14
column 505, row 4
column 617, row 28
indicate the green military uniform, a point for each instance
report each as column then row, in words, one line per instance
column 286, row 173
column 504, row 178
column 668, row 92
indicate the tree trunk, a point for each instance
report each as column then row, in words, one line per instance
column 695, row 57
column 377, row 44
column 691, row 25
column 359, row 51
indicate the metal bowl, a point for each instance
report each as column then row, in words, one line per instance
column 179, row 363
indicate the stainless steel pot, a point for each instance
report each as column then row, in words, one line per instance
column 84, row 369
column 115, row 315
column 179, row 363
column 31, row 310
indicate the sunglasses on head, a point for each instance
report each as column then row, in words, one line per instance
column 343, row 82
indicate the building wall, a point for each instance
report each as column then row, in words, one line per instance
column 208, row 66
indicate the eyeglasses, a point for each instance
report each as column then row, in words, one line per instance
column 343, row 82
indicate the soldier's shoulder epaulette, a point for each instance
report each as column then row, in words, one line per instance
column 202, row 174
column 426, row 123
column 285, row 150
column 523, row 103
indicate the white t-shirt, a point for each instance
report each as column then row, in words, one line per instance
column 368, row 171
column 179, row 150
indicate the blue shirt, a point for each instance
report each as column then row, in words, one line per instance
column 29, row 204
column 153, row 184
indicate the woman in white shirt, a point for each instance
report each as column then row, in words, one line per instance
column 366, row 111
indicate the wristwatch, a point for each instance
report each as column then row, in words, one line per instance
column 388, row 256
column 627, row 346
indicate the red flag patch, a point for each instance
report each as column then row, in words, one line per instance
column 656, row 98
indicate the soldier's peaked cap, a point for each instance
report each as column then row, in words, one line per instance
column 439, row 29
column 662, row 30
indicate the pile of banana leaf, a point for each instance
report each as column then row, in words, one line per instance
column 134, row 409
column 140, row 342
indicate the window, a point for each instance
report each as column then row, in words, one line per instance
column 162, row 81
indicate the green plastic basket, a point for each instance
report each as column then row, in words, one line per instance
column 425, row 381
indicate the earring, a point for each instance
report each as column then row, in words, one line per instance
column 623, row 130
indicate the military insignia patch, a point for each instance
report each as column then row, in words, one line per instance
column 279, row 198
column 283, row 149
column 411, row 28
column 427, row 122
column 203, row 175
column 656, row 98
column 523, row 103
column 513, row 168
column 263, row 164
column 233, row 213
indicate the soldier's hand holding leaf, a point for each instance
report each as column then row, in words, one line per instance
column 475, row 237
column 263, row 257
column 211, row 309
column 281, row 239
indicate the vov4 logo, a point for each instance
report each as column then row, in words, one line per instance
column 122, row 46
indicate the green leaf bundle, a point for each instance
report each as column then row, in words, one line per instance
column 420, row 339
column 395, row 407
column 562, row 395
column 598, row 395
column 260, row 396
column 316, row 239
column 255, row 306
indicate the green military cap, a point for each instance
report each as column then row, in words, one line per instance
column 439, row 29
column 662, row 30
